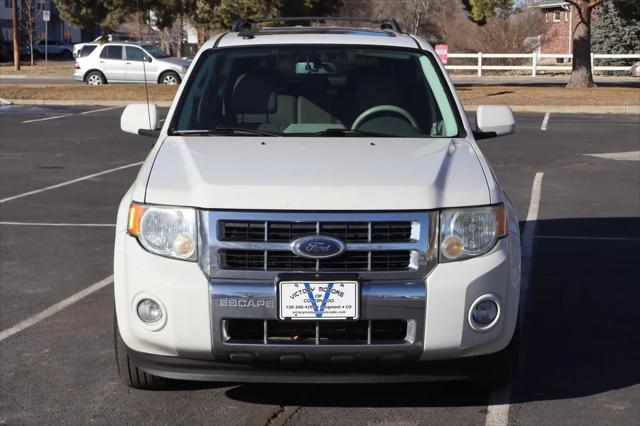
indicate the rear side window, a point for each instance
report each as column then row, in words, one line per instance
column 111, row 52
column 86, row 51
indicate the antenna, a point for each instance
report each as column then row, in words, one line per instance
column 144, row 67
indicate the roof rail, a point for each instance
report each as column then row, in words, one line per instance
column 244, row 25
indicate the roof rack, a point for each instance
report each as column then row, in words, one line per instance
column 244, row 25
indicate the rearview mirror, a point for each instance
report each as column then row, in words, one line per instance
column 140, row 119
column 493, row 121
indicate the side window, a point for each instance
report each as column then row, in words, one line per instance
column 111, row 52
column 86, row 50
column 134, row 54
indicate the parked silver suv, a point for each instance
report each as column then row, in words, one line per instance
column 129, row 63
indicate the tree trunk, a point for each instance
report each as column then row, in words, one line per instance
column 179, row 39
column 581, row 72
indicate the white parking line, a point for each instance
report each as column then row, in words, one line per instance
column 498, row 406
column 33, row 320
column 57, row 224
column 100, row 110
column 46, row 118
column 69, row 182
column 545, row 121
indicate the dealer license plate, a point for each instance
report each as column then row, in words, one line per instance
column 318, row 300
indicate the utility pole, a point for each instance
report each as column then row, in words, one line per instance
column 16, row 45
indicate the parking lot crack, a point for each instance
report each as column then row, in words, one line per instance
column 281, row 416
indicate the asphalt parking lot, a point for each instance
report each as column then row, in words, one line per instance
column 63, row 171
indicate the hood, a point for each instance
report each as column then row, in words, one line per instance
column 175, row 61
column 291, row 173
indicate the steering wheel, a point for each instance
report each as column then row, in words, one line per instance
column 390, row 108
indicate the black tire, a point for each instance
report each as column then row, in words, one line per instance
column 169, row 77
column 130, row 374
column 67, row 54
column 95, row 78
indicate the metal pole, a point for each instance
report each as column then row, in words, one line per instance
column 46, row 45
column 16, row 44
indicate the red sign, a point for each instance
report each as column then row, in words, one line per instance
column 442, row 50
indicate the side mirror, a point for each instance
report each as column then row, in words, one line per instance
column 493, row 121
column 140, row 119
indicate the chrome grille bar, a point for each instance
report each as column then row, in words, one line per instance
column 421, row 242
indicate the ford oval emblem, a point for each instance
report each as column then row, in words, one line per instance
column 317, row 247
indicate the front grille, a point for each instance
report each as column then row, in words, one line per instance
column 281, row 260
column 315, row 332
column 349, row 232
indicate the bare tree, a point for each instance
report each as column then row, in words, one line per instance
column 28, row 19
column 581, row 72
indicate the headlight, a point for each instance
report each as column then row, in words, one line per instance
column 470, row 232
column 167, row 231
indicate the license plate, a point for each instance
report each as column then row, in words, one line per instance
column 318, row 300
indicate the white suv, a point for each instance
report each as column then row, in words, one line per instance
column 315, row 209
column 128, row 63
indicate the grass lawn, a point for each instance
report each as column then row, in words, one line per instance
column 470, row 95
column 54, row 68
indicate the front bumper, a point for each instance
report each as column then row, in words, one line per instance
column 191, row 343
column 214, row 371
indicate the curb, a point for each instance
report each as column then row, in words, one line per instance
column 580, row 109
column 54, row 102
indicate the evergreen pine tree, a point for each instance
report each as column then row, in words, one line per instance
column 613, row 33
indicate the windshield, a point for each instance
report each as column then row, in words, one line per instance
column 155, row 52
column 317, row 90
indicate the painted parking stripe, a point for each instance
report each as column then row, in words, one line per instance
column 545, row 122
column 618, row 156
column 97, row 225
column 69, row 182
column 46, row 118
column 100, row 110
column 31, row 321
column 499, row 399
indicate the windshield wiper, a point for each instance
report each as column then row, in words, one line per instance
column 350, row 132
column 221, row 131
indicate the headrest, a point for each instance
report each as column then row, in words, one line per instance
column 255, row 93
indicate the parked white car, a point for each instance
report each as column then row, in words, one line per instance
column 316, row 209
column 129, row 63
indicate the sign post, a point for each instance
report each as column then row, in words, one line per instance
column 46, row 17
column 442, row 51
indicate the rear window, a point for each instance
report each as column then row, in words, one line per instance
column 111, row 52
column 86, row 50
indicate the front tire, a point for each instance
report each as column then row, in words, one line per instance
column 95, row 78
column 170, row 77
column 130, row 374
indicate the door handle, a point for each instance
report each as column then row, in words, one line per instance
column 128, row 63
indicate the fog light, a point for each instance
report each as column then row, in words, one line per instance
column 484, row 312
column 149, row 311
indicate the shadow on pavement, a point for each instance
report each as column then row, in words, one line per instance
column 580, row 335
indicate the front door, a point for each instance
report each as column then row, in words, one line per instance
column 137, row 63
